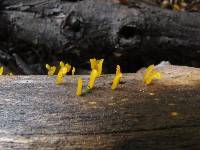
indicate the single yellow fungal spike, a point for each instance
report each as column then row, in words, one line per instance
column 154, row 75
column 68, row 66
column 73, row 70
column 99, row 66
column 116, row 81
column 79, row 87
column 59, row 79
column 93, row 76
column 117, row 78
column 61, row 73
column 148, row 72
column 64, row 69
column 62, row 64
column 1, row 70
column 93, row 63
column 48, row 67
column 150, row 75
column 118, row 71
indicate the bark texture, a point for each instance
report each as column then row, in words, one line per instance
column 35, row 113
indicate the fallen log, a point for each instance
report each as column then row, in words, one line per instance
column 35, row 113
column 125, row 34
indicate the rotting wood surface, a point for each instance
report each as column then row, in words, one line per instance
column 35, row 113
column 131, row 35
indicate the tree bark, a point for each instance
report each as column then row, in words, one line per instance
column 35, row 113
column 103, row 28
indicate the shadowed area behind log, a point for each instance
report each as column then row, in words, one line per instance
column 36, row 32
column 37, row 113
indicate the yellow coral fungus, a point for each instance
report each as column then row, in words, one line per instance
column 51, row 70
column 62, row 64
column 116, row 81
column 68, row 66
column 73, row 70
column 79, row 87
column 117, row 78
column 64, row 69
column 150, row 75
column 93, row 76
column 118, row 71
column 148, row 72
column 97, row 64
column 93, row 63
column 59, row 79
column 1, row 70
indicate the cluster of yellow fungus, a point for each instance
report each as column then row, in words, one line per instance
column 51, row 70
column 117, row 78
column 96, row 71
column 97, row 65
column 150, row 75
column 64, row 69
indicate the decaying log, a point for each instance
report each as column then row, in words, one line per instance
column 35, row 113
column 103, row 28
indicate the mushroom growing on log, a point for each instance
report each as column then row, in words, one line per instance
column 46, row 29
column 35, row 113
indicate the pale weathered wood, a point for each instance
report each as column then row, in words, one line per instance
column 36, row 113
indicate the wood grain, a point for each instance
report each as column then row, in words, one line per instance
column 35, row 113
